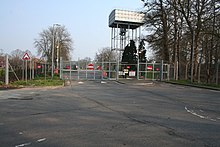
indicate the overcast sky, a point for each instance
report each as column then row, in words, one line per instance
column 87, row 21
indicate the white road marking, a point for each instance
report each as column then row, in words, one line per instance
column 143, row 84
column 213, row 119
column 20, row 133
column 193, row 113
column 22, row 145
column 80, row 82
column 29, row 143
column 214, row 91
column 41, row 140
column 200, row 116
column 201, row 110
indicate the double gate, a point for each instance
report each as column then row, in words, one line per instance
column 88, row 71
column 76, row 70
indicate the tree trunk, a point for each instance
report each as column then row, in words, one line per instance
column 165, row 33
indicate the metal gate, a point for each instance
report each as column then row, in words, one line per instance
column 75, row 70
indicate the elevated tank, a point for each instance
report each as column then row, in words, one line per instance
column 125, row 19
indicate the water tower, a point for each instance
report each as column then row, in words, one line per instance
column 125, row 26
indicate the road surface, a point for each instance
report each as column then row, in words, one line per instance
column 94, row 113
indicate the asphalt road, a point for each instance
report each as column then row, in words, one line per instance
column 95, row 113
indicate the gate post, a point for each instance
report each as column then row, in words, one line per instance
column 161, row 71
column 94, row 67
column 102, row 69
column 117, row 71
column 168, row 72
column 70, row 71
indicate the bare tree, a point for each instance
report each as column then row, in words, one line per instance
column 195, row 13
column 185, row 31
column 106, row 55
column 157, row 22
column 57, row 37
column 1, row 52
column 16, row 59
column 83, row 63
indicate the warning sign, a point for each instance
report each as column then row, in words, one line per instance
column 26, row 57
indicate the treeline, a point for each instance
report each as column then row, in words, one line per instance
column 186, row 33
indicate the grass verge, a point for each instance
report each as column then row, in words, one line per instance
column 40, row 82
column 202, row 85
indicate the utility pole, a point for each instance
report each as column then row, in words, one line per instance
column 53, row 34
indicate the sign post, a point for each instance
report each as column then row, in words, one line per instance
column 26, row 57
column 26, row 72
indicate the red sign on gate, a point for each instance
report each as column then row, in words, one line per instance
column 150, row 67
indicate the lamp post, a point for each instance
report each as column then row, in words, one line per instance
column 52, row 69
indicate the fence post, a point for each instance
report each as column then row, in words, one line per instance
column 78, row 69
column 30, row 69
column 45, row 69
column 161, row 71
column 22, row 70
column 177, row 70
column 217, row 70
column 117, row 70
column 86, row 71
column 168, row 72
column 61, row 67
column 33, row 70
column 102, row 69
column 153, row 71
column 199, row 73
column 70, row 71
column 138, row 64
column 186, row 72
column 6, row 71
column 94, row 67
column 109, row 70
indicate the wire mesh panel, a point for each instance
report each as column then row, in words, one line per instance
column 75, row 70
